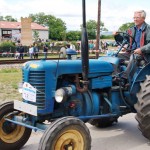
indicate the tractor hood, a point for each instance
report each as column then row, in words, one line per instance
column 61, row 67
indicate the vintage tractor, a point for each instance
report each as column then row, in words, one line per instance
column 60, row 96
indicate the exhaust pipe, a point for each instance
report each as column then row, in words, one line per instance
column 84, row 49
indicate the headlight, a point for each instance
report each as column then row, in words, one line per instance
column 60, row 95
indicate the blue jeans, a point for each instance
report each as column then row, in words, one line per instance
column 45, row 55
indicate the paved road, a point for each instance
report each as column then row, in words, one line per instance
column 122, row 136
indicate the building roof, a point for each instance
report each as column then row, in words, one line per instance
column 17, row 25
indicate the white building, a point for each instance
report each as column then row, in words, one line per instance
column 12, row 31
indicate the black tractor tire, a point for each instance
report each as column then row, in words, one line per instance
column 66, row 133
column 143, row 108
column 102, row 122
column 12, row 136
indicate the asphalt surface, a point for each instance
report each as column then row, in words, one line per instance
column 122, row 136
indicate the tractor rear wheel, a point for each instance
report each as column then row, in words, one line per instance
column 66, row 133
column 12, row 136
column 143, row 108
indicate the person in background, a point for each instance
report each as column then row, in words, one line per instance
column 51, row 46
column 45, row 50
column 106, row 45
column 17, row 54
column 21, row 51
column 72, row 46
column 31, row 51
column 36, row 51
column 63, row 52
column 91, row 45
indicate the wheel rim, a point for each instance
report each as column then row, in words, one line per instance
column 70, row 140
column 11, row 135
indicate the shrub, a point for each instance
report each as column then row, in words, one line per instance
column 7, row 47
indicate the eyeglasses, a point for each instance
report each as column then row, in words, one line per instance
column 137, row 18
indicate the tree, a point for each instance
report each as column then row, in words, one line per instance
column 92, row 28
column 1, row 18
column 36, row 35
column 126, row 26
column 57, row 27
column 10, row 18
column 73, row 35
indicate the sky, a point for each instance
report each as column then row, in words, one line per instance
column 114, row 13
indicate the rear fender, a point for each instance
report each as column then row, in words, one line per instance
column 141, row 76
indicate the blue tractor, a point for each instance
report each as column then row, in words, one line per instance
column 60, row 96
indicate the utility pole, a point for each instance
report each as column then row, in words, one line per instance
column 98, row 29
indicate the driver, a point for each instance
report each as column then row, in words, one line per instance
column 141, row 33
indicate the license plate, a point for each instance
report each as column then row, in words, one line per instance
column 25, row 107
column 29, row 92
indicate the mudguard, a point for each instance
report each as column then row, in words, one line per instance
column 140, row 77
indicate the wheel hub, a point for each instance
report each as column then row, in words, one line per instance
column 8, row 127
column 69, row 146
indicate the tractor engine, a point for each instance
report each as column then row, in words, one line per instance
column 60, row 90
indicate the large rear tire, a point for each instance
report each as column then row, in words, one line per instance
column 12, row 136
column 66, row 133
column 143, row 108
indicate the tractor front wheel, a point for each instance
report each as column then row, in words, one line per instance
column 12, row 136
column 66, row 133
column 143, row 108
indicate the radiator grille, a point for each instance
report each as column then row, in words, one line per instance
column 37, row 80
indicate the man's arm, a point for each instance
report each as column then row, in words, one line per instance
column 143, row 50
column 146, row 48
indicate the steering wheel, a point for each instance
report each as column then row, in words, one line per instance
column 123, row 39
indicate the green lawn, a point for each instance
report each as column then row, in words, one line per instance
column 9, row 79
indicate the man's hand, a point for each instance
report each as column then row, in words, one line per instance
column 124, row 48
column 138, row 51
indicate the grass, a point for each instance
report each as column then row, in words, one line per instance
column 9, row 80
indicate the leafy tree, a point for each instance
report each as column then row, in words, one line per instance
column 57, row 27
column 73, row 35
column 92, row 28
column 126, row 26
column 36, row 35
column 1, row 18
column 10, row 18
